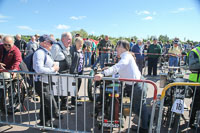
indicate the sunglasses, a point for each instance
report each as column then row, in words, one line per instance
column 9, row 45
column 50, row 42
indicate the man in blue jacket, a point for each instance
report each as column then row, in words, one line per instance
column 138, row 50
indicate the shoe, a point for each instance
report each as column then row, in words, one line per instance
column 67, row 107
column 78, row 98
column 47, row 124
column 79, row 103
column 73, row 102
column 56, row 116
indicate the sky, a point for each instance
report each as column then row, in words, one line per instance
column 116, row 18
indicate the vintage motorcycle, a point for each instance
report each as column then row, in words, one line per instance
column 110, row 109
column 12, row 93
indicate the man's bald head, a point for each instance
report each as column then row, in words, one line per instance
column 8, row 42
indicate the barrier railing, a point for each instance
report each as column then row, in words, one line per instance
column 174, row 98
column 28, row 103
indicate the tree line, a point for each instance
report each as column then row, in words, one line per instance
column 84, row 34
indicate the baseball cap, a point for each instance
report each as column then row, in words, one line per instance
column 45, row 38
column 176, row 42
column 155, row 38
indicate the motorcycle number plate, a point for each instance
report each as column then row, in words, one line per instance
column 178, row 106
column 110, row 125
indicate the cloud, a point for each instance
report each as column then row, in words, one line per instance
column 2, row 16
column 77, row 18
column 179, row 10
column 148, row 18
column 25, row 28
column 62, row 27
column 3, row 21
column 142, row 12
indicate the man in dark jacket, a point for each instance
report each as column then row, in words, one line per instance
column 21, row 44
column 105, row 46
column 61, row 53
column 154, row 51
column 138, row 50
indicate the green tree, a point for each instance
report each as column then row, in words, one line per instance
column 163, row 38
column 26, row 38
column 82, row 32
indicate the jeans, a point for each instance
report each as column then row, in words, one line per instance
column 97, row 61
column 173, row 61
column 88, row 55
column 104, row 56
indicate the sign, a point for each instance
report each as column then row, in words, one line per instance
column 178, row 106
column 62, row 84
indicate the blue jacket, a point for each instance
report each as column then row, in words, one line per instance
column 138, row 51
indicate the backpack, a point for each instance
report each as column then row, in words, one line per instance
column 29, row 61
column 194, row 59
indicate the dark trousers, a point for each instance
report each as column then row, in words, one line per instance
column 196, row 106
column 137, row 97
column 152, row 64
column 73, row 100
column 140, row 64
column 46, row 97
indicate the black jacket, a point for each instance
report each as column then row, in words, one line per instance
column 75, row 60
column 21, row 44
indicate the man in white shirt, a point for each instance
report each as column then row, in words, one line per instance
column 43, row 63
column 127, row 68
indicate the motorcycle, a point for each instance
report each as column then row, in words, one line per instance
column 174, row 97
column 110, row 109
column 12, row 93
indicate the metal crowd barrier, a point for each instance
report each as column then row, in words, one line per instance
column 176, row 104
column 111, row 109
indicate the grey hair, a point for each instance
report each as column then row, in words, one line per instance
column 18, row 35
column 140, row 40
column 8, row 36
column 65, row 34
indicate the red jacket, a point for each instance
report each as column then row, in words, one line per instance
column 12, row 59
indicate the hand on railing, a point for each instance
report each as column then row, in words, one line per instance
column 2, row 66
column 98, row 77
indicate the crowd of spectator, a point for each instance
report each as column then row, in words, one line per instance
column 61, row 56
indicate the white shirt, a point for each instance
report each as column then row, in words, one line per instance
column 57, row 53
column 126, row 67
column 42, row 65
